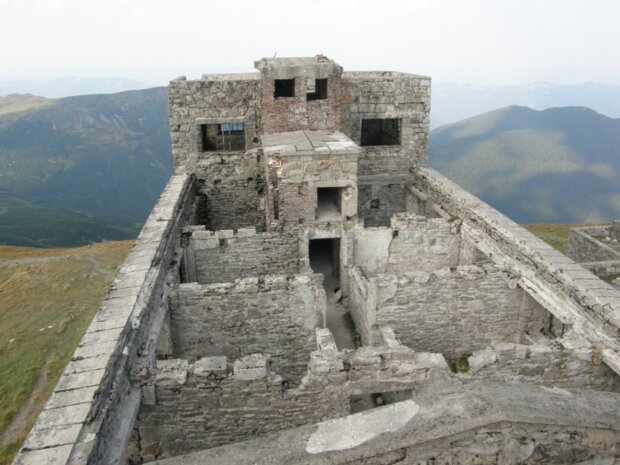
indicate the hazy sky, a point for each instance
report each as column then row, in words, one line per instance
column 470, row 41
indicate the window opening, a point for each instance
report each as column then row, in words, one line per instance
column 380, row 131
column 223, row 137
column 320, row 90
column 284, row 88
column 328, row 203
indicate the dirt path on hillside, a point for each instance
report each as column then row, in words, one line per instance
column 20, row 424
column 31, row 260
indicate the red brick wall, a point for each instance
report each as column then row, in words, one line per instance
column 295, row 113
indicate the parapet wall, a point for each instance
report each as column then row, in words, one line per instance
column 223, row 256
column 273, row 314
column 583, row 245
column 572, row 294
column 88, row 417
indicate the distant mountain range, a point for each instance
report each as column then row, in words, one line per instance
column 71, row 86
column 560, row 165
column 454, row 102
column 81, row 169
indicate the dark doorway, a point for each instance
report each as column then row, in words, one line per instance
column 325, row 259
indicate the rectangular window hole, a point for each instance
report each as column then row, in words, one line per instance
column 329, row 203
column 320, row 90
column 284, row 88
column 223, row 137
column 380, row 132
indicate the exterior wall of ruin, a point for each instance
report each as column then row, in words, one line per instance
column 223, row 256
column 388, row 95
column 583, row 246
column 607, row 270
column 214, row 98
column 233, row 184
column 275, row 315
column 565, row 363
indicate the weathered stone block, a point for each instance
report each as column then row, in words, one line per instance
column 251, row 367
column 210, row 365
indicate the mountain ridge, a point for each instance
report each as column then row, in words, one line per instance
column 97, row 159
column 560, row 163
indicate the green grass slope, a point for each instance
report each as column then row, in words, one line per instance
column 95, row 164
column 47, row 299
column 555, row 166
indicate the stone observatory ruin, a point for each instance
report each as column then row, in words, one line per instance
column 308, row 291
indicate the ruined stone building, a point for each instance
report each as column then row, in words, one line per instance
column 597, row 248
column 308, row 291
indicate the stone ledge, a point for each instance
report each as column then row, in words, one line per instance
column 437, row 417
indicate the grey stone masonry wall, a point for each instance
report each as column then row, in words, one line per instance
column 388, row 95
column 422, row 244
column 584, row 245
column 212, row 99
column 88, row 417
column 231, row 188
column 534, row 320
column 478, row 424
column 607, row 270
column 223, row 256
column 206, row 404
column 413, row 243
column 564, row 363
column 274, row 315
column 377, row 202
column 572, row 294
column 450, row 311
